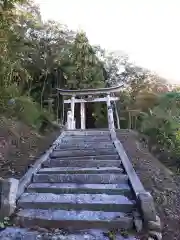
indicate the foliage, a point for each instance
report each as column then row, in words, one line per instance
column 5, row 223
column 27, row 110
column 147, row 105
column 37, row 57
column 162, row 125
column 84, row 69
column 146, row 100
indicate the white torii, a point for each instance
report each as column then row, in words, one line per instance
column 90, row 92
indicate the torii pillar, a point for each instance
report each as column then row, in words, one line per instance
column 72, row 112
column 83, row 116
column 110, row 113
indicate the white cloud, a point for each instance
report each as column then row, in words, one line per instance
column 148, row 30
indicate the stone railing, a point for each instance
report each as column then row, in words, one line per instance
column 149, row 218
column 11, row 189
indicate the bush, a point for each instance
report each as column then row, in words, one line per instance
column 162, row 125
column 28, row 111
column 23, row 108
column 6, row 94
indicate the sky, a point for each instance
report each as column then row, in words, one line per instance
column 147, row 30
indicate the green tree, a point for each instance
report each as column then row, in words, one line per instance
column 84, row 69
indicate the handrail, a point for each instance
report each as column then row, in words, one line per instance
column 143, row 197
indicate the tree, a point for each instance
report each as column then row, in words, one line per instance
column 84, row 70
column 38, row 57
column 114, row 64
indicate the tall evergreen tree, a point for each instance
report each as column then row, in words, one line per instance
column 85, row 69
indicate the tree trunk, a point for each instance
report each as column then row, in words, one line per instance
column 43, row 89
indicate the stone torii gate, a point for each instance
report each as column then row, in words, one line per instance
column 89, row 95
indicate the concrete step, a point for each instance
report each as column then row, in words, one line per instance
column 88, row 133
column 86, row 140
column 84, row 145
column 92, row 202
column 81, row 163
column 107, row 136
column 74, row 220
column 91, row 142
column 82, row 186
column 76, row 170
column 85, row 149
column 82, row 153
column 103, row 157
column 73, row 188
column 14, row 233
column 81, row 178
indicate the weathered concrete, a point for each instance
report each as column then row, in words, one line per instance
column 82, row 153
column 82, row 163
column 74, row 220
column 92, row 141
column 88, row 137
column 155, row 235
column 84, row 185
column 93, row 202
column 87, row 133
column 70, row 145
column 85, row 137
column 143, row 197
column 76, row 170
column 21, row 234
column 103, row 157
column 26, row 179
column 138, row 222
column 155, row 225
column 86, row 140
column 147, row 206
column 134, row 180
column 85, row 147
column 73, row 188
column 9, row 188
column 81, row 178
column 18, row 234
column 86, row 150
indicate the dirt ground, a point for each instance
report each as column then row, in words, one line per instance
column 158, row 180
column 20, row 146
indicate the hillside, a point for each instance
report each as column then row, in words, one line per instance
column 20, row 146
column 158, row 180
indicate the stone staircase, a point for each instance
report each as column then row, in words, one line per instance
column 82, row 188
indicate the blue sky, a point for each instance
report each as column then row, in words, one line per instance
column 148, row 30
